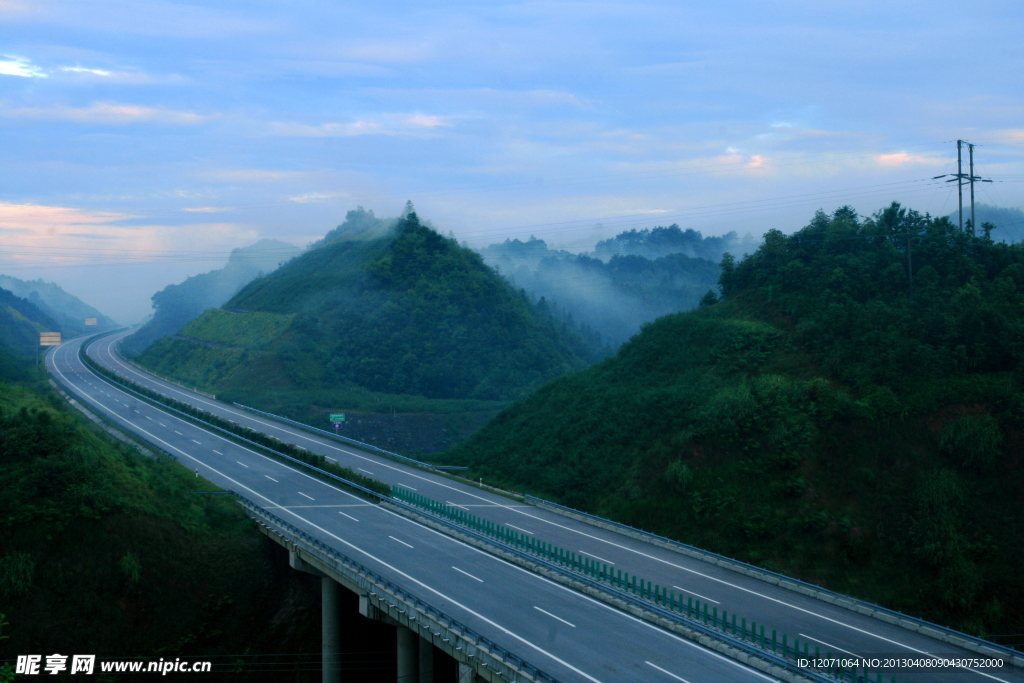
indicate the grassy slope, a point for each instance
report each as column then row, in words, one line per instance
column 746, row 429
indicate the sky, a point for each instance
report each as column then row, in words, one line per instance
column 143, row 140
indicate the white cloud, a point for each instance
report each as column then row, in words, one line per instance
column 106, row 113
column 11, row 65
column 388, row 124
column 248, row 175
column 898, row 159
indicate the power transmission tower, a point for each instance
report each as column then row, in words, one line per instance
column 959, row 177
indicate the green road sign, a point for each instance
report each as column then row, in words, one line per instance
column 337, row 417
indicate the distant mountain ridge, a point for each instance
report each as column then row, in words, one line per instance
column 385, row 306
column 67, row 311
column 628, row 280
column 21, row 321
column 1008, row 222
column 176, row 305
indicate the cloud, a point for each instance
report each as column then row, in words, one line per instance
column 106, row 113
column 82, row 69
column 11, row 65
column 388, row 124
column 42, row 236
column 898, row 159
column 248, row 175
column 206, row 209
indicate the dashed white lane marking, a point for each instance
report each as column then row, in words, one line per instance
column 448, row 502
column 702, row 597
column 219, row 453
column 362, row 470
column 271, row 478
column 242, row 464
column 406, row 486
column 305, row 496
column 584, row 552
column 554, row 617
column 349, row 516
column 518, row 529
column 402, row 542
column 667, row 673
column 466, row 573
column 194, row 441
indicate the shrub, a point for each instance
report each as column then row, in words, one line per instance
column 975, row 440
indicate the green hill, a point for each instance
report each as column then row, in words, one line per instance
column 21, row 321
column 823, row 419
column 104, row 551
column 177, row 305
column 66, row 310
column 371, row 322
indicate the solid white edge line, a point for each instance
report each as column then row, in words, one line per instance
column 385, row 564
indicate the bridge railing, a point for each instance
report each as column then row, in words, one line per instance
column 384, row 590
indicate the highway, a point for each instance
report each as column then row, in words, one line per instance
column 570, row 636
column 825, row 626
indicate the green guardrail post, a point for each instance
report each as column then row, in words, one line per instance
column 705, row 612
column 775, row 645
column 734, row 623
column 689, row 606
column 714, row 617
column 762, row 636
column 743, row 635
column 785, row 646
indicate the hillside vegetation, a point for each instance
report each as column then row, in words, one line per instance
column 396, row 318
column 66, row 310
column 176, row 305
column 827, row 418
column 105, row 551
column 21, row 321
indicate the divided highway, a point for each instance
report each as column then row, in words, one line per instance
column 826, row 626
column 570, row 636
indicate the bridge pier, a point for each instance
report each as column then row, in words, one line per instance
column 467, row 674
column 330, row 629
column 408, row 655
column 330, row 619
column 426, row 661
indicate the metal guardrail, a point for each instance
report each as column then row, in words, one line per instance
column 664, row 613
column 943, row 633
column 374, row 583
column 338, row 437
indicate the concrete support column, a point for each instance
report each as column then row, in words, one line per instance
column 426, row 661
column 408, row 656
column 330, row 628
column 467, row 674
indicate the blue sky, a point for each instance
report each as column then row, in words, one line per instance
column 142, row 140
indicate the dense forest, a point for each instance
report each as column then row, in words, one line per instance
column 383, row 315
column 105, row 551
column 176, row 305
column 847, row 408
column 21, row 321
column 630, row 279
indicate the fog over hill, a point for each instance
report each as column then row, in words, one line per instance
column 66, row 310
column 176, row 305
column 630, row 279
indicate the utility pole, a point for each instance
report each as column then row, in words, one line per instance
column 960, row 177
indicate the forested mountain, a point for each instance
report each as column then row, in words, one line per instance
column 828, row 418
column 1007, row 224
column 21, row 321
column 175, row 305
column 66, row 310
column 409, row 313
column 630, row 279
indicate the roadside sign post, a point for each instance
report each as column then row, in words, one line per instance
column 337, row 420
column 48, row 339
